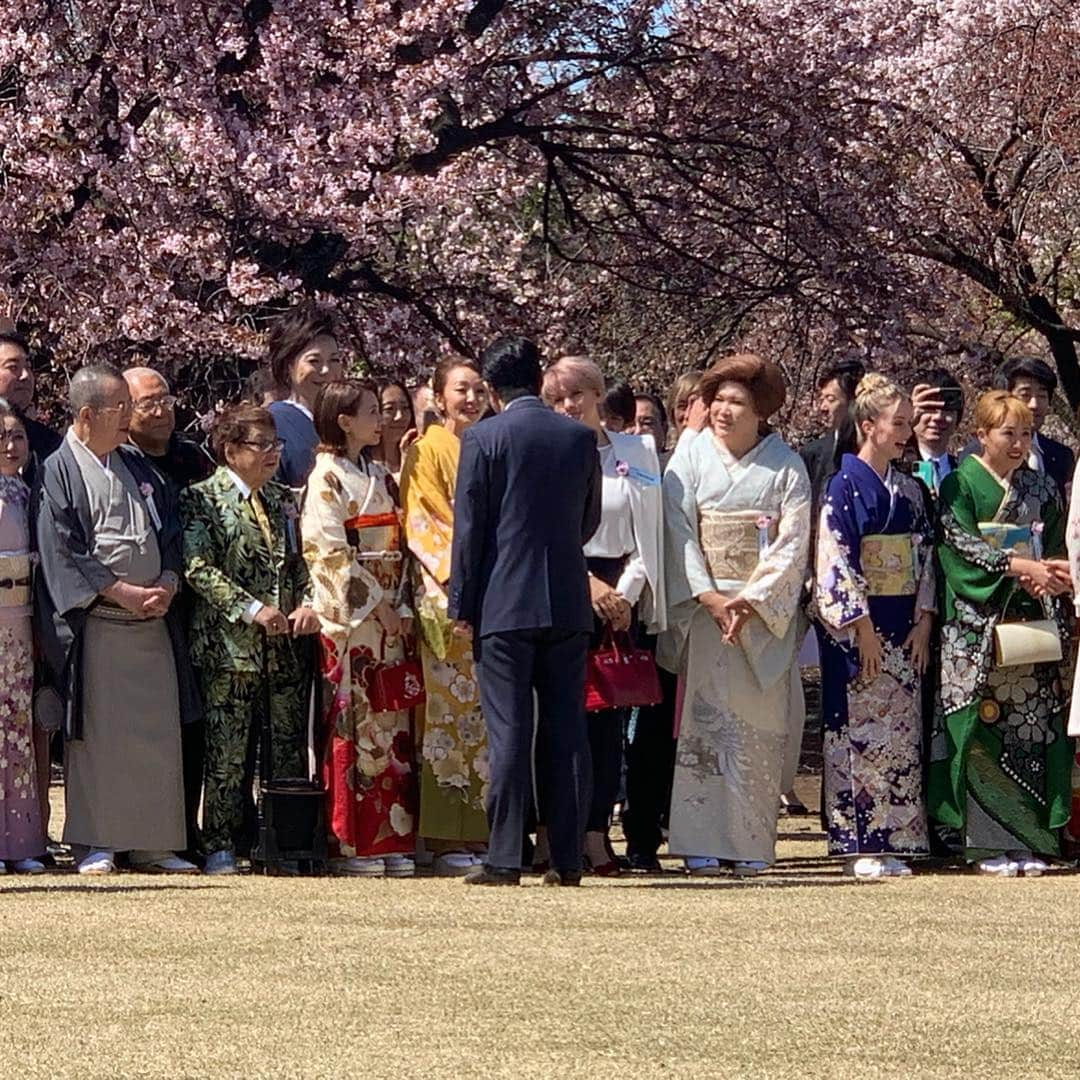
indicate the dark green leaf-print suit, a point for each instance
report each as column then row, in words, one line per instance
column 228, row 565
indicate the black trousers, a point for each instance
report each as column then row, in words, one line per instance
column 510, row 667
column 193, row 755
column 650, row 767
column 605, row 727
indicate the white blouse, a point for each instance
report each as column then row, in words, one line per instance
column 614, row 537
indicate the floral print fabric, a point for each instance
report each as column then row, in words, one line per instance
column 353, row 550
column 453, row 744
column 21, row 835
column 739, row 698
column 1000, row 762
column 872, row 728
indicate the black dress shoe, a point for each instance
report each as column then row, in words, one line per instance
column 562, row 877
column 492, row 875
column 644, row 864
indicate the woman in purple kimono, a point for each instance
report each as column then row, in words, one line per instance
column 874, row 594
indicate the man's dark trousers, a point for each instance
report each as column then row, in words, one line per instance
column 510, row 665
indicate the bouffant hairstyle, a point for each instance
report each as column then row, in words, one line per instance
column 237, row 424
column 996, row 408
column 764, row 381
column 874, row 394
column 292, row 334
column 338, row 399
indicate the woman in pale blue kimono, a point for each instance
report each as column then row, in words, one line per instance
column 737, row 527
column 874, row 596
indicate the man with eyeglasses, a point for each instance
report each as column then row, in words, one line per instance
column 152, row 429
column 110, row 544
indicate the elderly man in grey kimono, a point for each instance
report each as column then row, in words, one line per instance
column 109, row 538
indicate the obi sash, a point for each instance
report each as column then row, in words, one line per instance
column 14, row 580
column 1016, row 539
column 388, row 520
column 732, row 541
column 888, row 564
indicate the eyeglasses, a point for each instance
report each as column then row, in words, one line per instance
column 263, row 446
column 149, row 405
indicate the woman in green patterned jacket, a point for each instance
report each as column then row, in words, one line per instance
column 243, row 562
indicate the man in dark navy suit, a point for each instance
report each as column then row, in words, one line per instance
column 526, row 501
column 1034, row 381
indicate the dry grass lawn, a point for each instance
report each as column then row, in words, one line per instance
column 799, row 974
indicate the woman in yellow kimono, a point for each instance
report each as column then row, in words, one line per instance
column 352, row 545
column 450, row 728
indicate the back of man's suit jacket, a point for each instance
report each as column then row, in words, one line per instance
column 527, row 499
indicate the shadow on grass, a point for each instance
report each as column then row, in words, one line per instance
column 806, row 881
column 73, row 888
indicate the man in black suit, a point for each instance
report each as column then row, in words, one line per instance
column 821, row 456
column 1033, row 381
column 526, row 501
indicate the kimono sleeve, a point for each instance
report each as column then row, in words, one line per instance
column 973, row 569
column 72, row 575
column 428, row 511
column 926, row 587
column 687, row 571
column 202, row 558
column 840, row 591
column 775, row 588
column 343, row 593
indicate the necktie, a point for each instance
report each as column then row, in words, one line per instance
column 263, row 521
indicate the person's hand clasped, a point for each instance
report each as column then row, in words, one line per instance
column 1043, row 578
column 462, row 629
column 303, row 621
column 271, row 620
column 738, row 612
column 608, row 604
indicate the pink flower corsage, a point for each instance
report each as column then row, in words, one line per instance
column 146, row 490
column 291, row 512
column 764, row 521
column 622, row 468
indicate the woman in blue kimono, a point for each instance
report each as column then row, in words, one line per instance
column 874, row 594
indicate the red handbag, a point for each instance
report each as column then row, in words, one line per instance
column 620, row 677
column 395, row 686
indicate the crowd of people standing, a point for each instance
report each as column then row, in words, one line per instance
column 489, row 536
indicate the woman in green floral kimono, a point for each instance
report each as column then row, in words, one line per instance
column 1000, row 760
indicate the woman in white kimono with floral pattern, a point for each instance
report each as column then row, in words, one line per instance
column 737, row 508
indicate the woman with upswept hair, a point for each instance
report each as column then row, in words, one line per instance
column 874, row 596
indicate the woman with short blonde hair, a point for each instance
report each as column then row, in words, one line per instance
column 625, row 564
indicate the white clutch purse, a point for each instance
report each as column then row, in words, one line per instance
column 1027, row 643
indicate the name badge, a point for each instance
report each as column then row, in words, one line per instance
column 642, row 477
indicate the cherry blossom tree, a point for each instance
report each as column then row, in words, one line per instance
column 652, row 181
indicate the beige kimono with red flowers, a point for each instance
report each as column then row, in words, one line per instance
column 352, row 545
